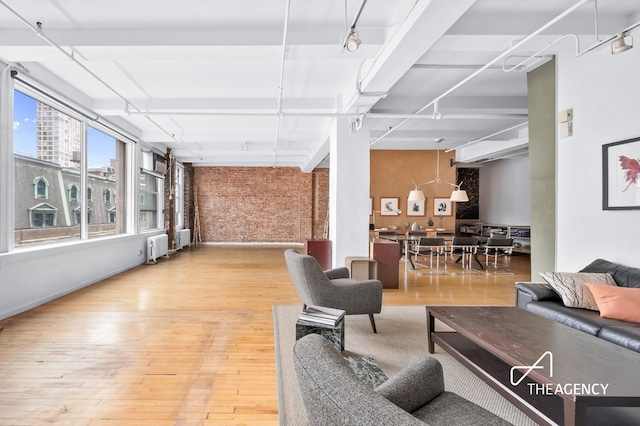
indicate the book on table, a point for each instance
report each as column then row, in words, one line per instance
column 322, row 315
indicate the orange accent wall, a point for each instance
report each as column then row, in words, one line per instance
column 392, row 173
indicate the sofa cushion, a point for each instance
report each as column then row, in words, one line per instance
column 580, row 319
column 625, row 276
column 570, row 286
column 627, row 336
column 538, row 292
column 450, row 409
column 621, row 303
column 332, row 393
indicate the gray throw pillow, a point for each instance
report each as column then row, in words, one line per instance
column 570, row 286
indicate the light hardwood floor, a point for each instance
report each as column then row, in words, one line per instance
column 186, row 341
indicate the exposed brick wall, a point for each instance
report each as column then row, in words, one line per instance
column 251, row 204
column 188, row 197
column 320, row 203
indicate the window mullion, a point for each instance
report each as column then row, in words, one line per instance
column 84, row 182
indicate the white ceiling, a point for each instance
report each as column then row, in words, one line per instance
column 203, row 77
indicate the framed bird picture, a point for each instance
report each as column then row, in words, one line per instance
column 621, row 175
column 442, row 207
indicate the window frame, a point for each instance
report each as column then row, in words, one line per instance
column 127, row 150
column 72, row 187
column 36, row 188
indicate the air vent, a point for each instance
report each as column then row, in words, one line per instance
column 159, row 164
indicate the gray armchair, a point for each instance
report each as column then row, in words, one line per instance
column 333, row 395
column 333, row 288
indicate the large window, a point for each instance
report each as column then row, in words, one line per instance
column 149, row 198
column 179, row 196
column 105, row 157
column 58, row 157
column 151, row 187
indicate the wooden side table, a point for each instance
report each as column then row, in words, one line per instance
column 362, row 268
column 320, row 249
column 387, row 254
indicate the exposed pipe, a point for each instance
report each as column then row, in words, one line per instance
column 243, row 113
column 524, row 63
column 496, row 59
column 283, row 114
column 280, row 87
column 451, row 116
column 595, row 17
column 611, row 38
column 502, row 157
column 487, row 137
column 40, row 33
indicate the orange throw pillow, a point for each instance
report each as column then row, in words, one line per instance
column 621, row 303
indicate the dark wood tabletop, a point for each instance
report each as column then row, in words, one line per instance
column 519, row 338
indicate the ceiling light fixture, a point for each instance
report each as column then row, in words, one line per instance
column 458, row 195
column 622, row 43
column 353, row 40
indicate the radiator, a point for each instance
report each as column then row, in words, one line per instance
column 183, row 238
column 157, row 246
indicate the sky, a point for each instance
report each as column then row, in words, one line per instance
column 102, row 147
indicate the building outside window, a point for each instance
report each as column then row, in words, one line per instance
column 42, row 215
column 55, row 153
column 74, row 191
column 41, row 187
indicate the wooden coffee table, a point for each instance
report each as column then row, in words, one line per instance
column 579, row 383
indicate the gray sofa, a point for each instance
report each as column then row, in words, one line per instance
column 541, row 299
column 334, row 395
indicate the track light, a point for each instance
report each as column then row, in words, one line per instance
column 353, row 40
column 622, row 43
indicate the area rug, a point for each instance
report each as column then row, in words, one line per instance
column 401, row 339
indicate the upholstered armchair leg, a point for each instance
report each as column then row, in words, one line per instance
column 373, row 323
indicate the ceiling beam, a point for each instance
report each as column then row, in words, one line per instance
column 421, row 29
column 310, row 35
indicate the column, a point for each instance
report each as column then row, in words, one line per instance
column 348, row 191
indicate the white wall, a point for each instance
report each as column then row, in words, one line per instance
column 604, row 92
column 504, row 192
column 31, row 277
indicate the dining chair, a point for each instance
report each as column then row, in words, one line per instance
column 427, row 247
column 495, row 248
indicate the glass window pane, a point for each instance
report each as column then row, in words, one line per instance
column 45, row 141
column 148, row 202
column 48, row 147
column 105, row 175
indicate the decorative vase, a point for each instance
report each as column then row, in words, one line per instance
column 430, row 222
column 415, row 226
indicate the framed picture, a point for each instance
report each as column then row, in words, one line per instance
column 621, row 175
column 389, row 206
column 415, row 208
column 442, row 207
